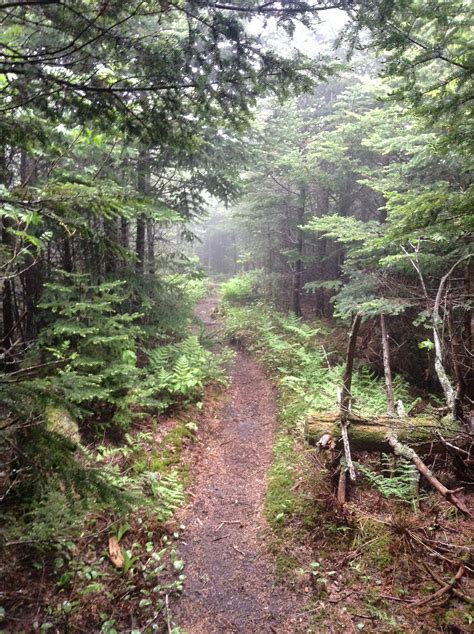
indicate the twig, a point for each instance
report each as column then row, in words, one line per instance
column 168, row 619
column 237, row 550
column 456, row 591
column 226, row 522
column 447, row 587
column 326, row 357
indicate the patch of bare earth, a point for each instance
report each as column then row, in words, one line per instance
column 230, row 584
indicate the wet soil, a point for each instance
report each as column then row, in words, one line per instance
column 231, row 585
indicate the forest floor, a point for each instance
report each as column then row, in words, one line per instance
column 230, row 579
column 261, row 544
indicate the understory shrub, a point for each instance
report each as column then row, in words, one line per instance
column 242, row 288
column 81, row 379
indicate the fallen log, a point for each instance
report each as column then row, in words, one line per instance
column 370, row 434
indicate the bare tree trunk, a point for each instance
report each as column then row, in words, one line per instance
column 386, row 367
column 298, row 273
column 67, row 255
column 142, row 184
column 31, row 277
column 468, row 335
column 448, row 389
column 150, row 238
column 345, row 404
column 347, row 378
column 111, row 233
column 32, row 280
column 443, row 378
column 124, row 232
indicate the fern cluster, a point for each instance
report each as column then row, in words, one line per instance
column 242, row 288
column 177, row 373
column 401, row 484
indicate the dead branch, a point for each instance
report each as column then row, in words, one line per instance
column 409, row 453
column 345, row 404
column 456, row 591
column 448, row 587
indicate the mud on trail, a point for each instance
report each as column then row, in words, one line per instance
column 230, row 582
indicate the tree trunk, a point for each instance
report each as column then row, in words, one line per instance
column 67, row 255
column 437, row 322
column 298, row 273
column 111, row 233
column 32, row 280
column 386, row 367
column 124, row 232
column 31, row 277
column 346, row 395
column 150, row 237
column 142, row 185
column 449, row 391
column 345, row 404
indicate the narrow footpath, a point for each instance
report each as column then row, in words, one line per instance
column 230, row 582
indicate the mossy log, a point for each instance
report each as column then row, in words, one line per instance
column 370, row 434
column 60, row 421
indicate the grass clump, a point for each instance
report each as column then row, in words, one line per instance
column 374, row 540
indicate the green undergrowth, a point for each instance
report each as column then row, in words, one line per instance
column 307, row 376
column 284, row 503
column 307, row 379
column 145, row 471
column 241, row 288
column 90, row 460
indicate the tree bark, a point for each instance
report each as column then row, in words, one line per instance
column 31, row 277
column 369, row 434
column 150, row 238
column 142, row 185
column 437, row 322
column 347, row 378
column 345, row 404
column 124, row 232
column 386, row 367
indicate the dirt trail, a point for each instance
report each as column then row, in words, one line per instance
column 230, row 584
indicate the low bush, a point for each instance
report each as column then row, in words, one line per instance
column 242, row 288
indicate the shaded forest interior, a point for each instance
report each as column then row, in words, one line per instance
column 302, row 171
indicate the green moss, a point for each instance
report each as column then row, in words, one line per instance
column 167, row 453
column 60, row 421
column 281, row 500
column 375, row 541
